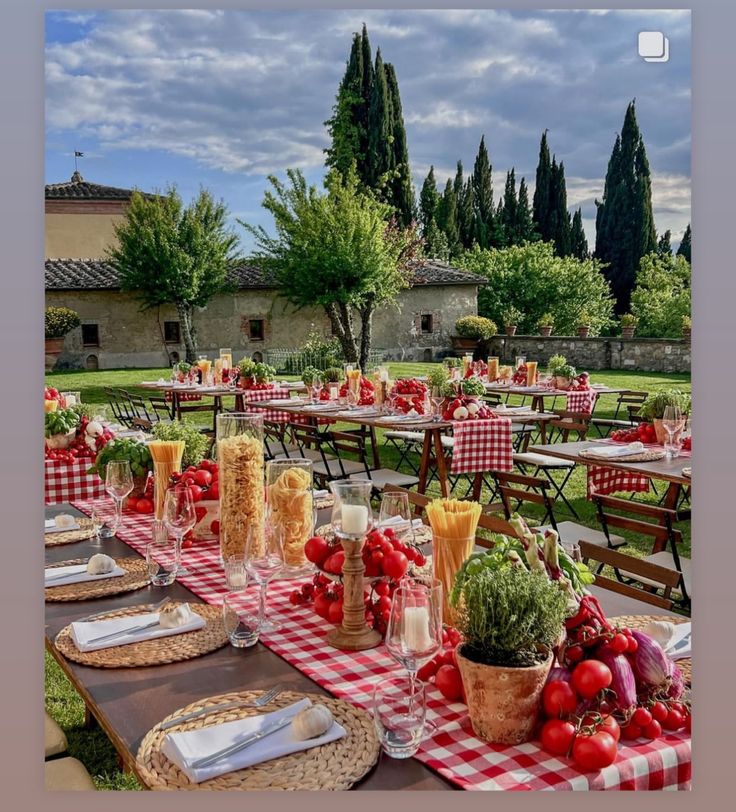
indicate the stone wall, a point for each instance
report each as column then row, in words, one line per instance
column 129, row 337
column 640, row 354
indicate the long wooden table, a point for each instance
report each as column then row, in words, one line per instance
column 128, row 702
column 539, row 394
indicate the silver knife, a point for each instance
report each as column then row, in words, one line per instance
column 121, row 632
column 61, row 576
column 242, row 744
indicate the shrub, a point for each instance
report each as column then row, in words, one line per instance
column 475, row 327
column 584, row 319
column 58, row 321
column 511, row 316
column 687, row 323
column 629, row 320
column 655, row 404
column 451, row 362
column 546, row 320
column 661, row 297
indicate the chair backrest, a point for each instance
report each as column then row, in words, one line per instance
column 667, row 578
column 629, row 401
column 112, row 399
column 567, row 422
column 348, row 442
column 274, row 438
column 492, row 399
column 161, row 407
column 127, row 411
column 307, row 435
column 524, row 488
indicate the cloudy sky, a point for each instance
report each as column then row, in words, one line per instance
column 222, row 99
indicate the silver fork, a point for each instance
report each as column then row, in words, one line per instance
column 260, row 702
column 149, row 607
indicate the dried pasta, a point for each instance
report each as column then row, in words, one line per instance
column 240, row 460
column 290, row 503
column 166, row 456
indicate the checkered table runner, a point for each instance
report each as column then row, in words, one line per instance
column 581, row 401
column 454, row 752
column 482, row 445
column 69, row 482
column 183, row 396
column 262, row 395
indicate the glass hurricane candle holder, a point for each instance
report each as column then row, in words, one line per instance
column 290, row 504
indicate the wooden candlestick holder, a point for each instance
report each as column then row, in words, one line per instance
column 353, row 634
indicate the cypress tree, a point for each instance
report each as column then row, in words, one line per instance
column 509, row 211
column 468, row 227
column 578, row 240
column 624, row 221
column 447, row 217
column 458, row 187
column 428, row 200
column 559, row 217
column 483, row 197
column 542, row 191
column 402, row 193
column 664, row 246
column 684, row 248
column 524, row 222
column 380, row 136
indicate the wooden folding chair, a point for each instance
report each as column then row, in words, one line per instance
column 629, row 403
column 355, row 445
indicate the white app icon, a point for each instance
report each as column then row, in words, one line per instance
column 654, row 46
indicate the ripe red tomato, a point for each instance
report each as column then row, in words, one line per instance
column 144, row 506
column 428, row 670
column 590, row 677
column 322, row 605
column 619, row 643
column 317, row 550
column 674, row 720
column 557, row 736
column 202, row 478
column 641, row 717
column 196, row 493
column 652, row 731
column 132, row 502
column 574, row 653
column 659, row 711
column 215, row 527
column 607, row 723
column 558, row 699
column 334, row 613
column 334, row 563
column 594, row 752
column 449, row 682
column 213, row 492
column 631, row 732
column 395, row 565
column 381, row 588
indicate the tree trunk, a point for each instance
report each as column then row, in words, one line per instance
column 341, row 320
column 366, row 332
column 190, row 342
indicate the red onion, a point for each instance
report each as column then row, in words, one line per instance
column 559, row 673
column 677, row 684
column 623, row 683
column 649, row 661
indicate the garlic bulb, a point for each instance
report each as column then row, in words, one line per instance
column 64, row 520
column 312, row 722
column 661, row 631
column 99, row 564
column 173, row 615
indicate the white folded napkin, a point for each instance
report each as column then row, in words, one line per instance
column 398, row 522
column 50, row 526
column 82, row 633
column 617, row 451
column 674, row 638
column 318, row 494
column 76, row 574
column 188, row 746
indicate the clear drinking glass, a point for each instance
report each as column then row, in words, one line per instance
column 179, row 514
column 162, row 559
column 399, row 714
column 395, row 512
column 264, row 559
column 437, row 408
column 242, row 624
column 673, row 422
column 414, row 629
column 118, row 484
column 236, row 574
column 97, row 519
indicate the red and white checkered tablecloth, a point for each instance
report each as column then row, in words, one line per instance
column 482, row 445
column 68, row 482
column 262, row 395
column 581, row 401
column 454, row 751
column 604, row 480
column 182, row 396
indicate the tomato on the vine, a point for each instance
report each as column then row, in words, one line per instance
column 594, row 752
column 659, row 711
column 641, row 717
column 652, row 731
column 590, row 677
column 557, row 736
column 558, row 699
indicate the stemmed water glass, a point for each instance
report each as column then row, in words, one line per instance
column 179, row 514
column 317, row 387
column 118, row 484
column 264, row 559
column 396, row 513
column 673, row 422
column 437, row 408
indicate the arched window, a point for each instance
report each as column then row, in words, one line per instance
column 92, row 362
column 173, row 358
column 257, row 357
column 428, row 354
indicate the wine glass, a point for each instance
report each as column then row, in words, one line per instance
column 264, row 559
column 396, row 513
column 437, row 408
column 118, row 484
column 317, row 387
column 179, row 514
column 673, row 422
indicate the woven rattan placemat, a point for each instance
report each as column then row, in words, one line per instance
column 334, row 766
column 323, row 502
column 641, row 456
column 136, row 578
column 638, row 622
column 161, row 650
column 84, row 532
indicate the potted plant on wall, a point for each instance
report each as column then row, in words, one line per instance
column 687, row 327
column 469, row 330
column 545, row 324
column 511, row 318
column 58, row 321
column 510, row 619
column 583, row 324
column 564, row 375
column 652, row 410
column 628, row 325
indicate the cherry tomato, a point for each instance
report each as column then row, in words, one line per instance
column 334, row 613
column 381, row 588
column 633, row 644
column 659, row 711
column 144, row 506
column 558, row 699
column 619, row 643
column 594, row 752
column 641, row 717
column 317, row 550
column 449, row 682
column 631, row 732
column 202, row 478
column 557, row 736
column 673, row 721
column 427, row 671
column 687, row 723
column 652, row 731
column 195, row 492
column 574, row 653
column 590, row 677
column 213, row 492
column 395, row 565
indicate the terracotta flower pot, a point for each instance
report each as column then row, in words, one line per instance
column 462, row 343
column 510, row 329
column 687, row 332
column 627, row 332
column 61, row 441
column 561, row 382
column 503, row 703
column 545, row 331
column 583, row 331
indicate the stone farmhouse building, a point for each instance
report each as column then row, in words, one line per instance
column 254, row 321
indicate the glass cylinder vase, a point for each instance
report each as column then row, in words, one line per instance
column 448, row 555
column 241, row 478
column 289, row 497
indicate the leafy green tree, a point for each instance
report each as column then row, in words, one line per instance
column 662, row 295
column 684, row 249
column 380, row 135
column 535, row 280
column 172, row 254
column 466, row 215
column 624, row 221
column 578, row 240
column 338, row 249
column 435, row 241
column 483, row 206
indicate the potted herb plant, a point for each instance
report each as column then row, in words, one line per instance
column 333, row 375
column 687, row 327
column 628, row 325
column 554, row 363
column 583, row 326
column 469, row 330
column 652, row 410
column 437, row 379
column 564, row 376
column 510, row 619
column 545, row 324
column 135, row 452
column 58, row 321
column 511, row 318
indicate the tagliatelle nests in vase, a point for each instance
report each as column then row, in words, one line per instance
column 291, row 506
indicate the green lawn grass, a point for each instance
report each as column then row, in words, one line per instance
column 91, row 746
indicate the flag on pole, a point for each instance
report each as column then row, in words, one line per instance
column 78, row 154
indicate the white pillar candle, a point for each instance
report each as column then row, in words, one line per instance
column 354, row 519
column 237, row 579
column 416, row 628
